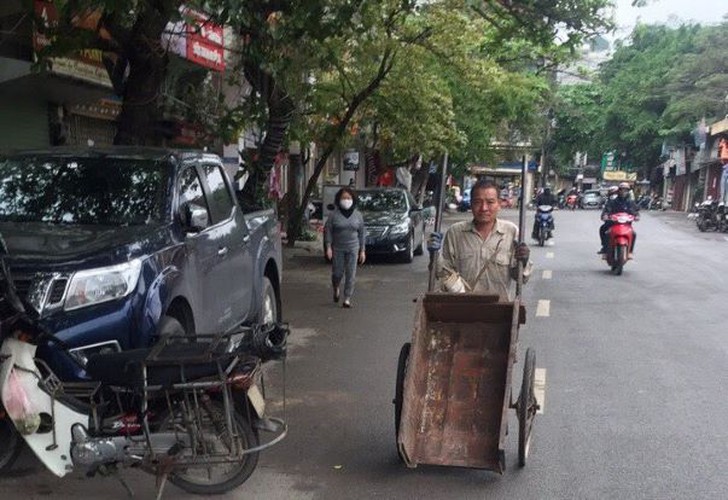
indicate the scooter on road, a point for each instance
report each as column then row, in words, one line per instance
column 544, row 224
column 621, row 241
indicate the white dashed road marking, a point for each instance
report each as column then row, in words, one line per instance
column 544, row 308
column 549, row 255
column 547, row 275
column 540, row 388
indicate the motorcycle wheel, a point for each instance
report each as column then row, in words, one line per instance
column 216, row 478
column 11, row 444
column 620, row 257
column 701, row 225
column 541, row 237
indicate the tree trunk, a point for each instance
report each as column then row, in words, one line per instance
column 280, row 114
column 138, row 122
column 419, row 182
column 294, row 224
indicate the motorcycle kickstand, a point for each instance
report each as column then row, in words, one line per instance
column 126, row 486
column 112, row 471
column 161, row 483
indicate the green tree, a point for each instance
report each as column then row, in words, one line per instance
column 697, row 85
column 579, row 116
column 635, row 91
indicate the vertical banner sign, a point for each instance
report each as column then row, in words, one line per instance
column 196, row 39
column 351, row 160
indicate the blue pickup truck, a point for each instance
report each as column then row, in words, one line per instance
column 116, row 247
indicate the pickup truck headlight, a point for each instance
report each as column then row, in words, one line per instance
column 401, row 228
column 95, row 286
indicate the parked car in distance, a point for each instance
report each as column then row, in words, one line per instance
column 115, row 247
column 592, row 199
column 395, row 223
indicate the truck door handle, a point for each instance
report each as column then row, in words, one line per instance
column 222, row 252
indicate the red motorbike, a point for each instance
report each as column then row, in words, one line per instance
column 621, row 238
column 571, row 201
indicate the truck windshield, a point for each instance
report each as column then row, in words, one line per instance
column 82, row 190
column 381, row 201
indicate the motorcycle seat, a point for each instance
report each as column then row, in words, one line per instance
column 179, row 364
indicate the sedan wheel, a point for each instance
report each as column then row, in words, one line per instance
column 409, row 253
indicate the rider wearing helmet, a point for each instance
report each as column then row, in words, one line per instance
column 545, row 198
column 622, row 202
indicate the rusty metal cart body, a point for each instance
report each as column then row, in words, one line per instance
column 453, row 389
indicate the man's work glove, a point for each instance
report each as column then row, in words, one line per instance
column 434, row 242
column 523, row 253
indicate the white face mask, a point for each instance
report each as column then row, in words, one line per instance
column 346, row 203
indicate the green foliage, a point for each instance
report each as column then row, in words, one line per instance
column 579, row 114
column 697, row 85
column 654, row 89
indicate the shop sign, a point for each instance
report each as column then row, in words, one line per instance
column 619, row 175
column 86, row 65
column 719, row 127
column 608, row 161
column 196, row 39
column 351, row 160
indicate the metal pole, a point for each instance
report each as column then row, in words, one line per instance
column 438, row 224
column 521, row 224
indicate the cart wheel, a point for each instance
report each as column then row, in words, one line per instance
column 526, row 407
column 399, row 389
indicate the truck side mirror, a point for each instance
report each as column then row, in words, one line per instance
column 195, row 218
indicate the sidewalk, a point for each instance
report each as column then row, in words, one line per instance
column 672, row 217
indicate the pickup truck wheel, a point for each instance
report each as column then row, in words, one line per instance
column 170, row 326
column 269, row 312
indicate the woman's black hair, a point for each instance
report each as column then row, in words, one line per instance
column 346, row 189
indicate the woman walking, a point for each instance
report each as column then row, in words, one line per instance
column 344, row 236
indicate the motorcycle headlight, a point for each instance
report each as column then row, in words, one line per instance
column 95, row 286
column 401, row 228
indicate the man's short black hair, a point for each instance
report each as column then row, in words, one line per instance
column 482, row 184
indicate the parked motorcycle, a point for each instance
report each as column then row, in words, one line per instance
column 544, row 223
column 721, row 218
column 189, row 412
column 706, row 219
column 572, row 201
column 561, row 197
column 621, row 237
column 644, row 202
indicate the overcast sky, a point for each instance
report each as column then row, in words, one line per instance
column 666, row 11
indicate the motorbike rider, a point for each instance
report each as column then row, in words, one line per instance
column 545, row 198
column 622, row 203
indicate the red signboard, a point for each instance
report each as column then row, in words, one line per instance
column 205, row 42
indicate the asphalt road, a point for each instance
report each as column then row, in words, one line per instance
column 634, row 369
